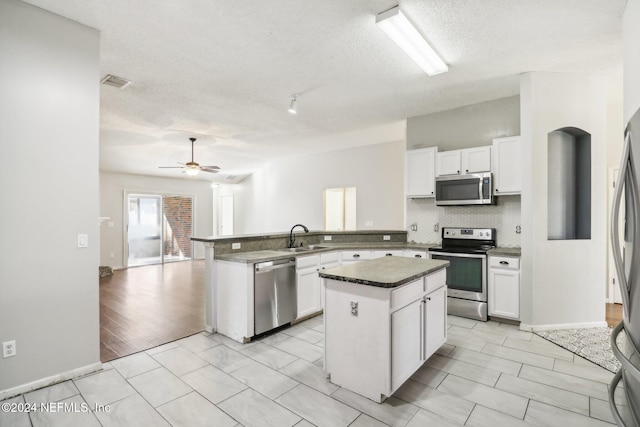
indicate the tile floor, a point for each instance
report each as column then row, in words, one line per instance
column 488, row 374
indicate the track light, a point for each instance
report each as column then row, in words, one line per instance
column 293, row 106
column 400, row 30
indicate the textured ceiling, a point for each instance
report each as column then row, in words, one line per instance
column 224, row 71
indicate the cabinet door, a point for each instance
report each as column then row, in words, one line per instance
column 381, row 254
column 406, row 342
column 415, row 254
column 420, row 172
column 504, row 293
column 324, row 267
column 507, row 167
column 435, row 328
column 308, row 289
column 448, row 163
column 476, row 160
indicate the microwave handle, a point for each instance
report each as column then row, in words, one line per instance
column 480, row 188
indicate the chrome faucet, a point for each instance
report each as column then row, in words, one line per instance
column 292, row 237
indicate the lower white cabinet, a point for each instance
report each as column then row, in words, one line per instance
column 409, row 253
column 376, row 338
column 504, row 287
column 349, row 257
column 309, row 285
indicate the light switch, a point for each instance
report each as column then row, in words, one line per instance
column 83, row 240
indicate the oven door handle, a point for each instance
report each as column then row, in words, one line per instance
column 459, row 255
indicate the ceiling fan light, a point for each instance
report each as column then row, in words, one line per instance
column 191, row 170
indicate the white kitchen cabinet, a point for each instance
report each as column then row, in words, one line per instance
column 309, row 285
column 420, row 172
column 448, row 163
column 349, row 257
column 507, row 166
column 461, row 162
column 386, row 337
column 474, row 160
column 382, row 253
column 308, row 291
column 414, row 254
column 406, row 342
column 504, row 287
column 435, row 328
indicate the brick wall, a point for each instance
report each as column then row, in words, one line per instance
column 178, row 218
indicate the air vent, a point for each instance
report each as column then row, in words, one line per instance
column 115, row 81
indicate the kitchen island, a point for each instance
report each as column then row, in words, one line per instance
column 383, row 319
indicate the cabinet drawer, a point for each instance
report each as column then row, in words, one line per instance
column 406, row 294
column 329, row 257
column 355, row 255
column 510, row 263
column 307, row 261
column 435, row 280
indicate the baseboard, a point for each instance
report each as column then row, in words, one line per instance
column 552, row 327
column 54, row 379
column 209, row 329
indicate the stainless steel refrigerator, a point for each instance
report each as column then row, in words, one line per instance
column 626, row 256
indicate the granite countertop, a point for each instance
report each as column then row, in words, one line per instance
column 513, row 252
column 273, row 255
column 386, row 272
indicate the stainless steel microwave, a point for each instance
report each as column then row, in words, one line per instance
column 471, row 189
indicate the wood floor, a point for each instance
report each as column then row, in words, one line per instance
column 144, row 307
column 614, row 314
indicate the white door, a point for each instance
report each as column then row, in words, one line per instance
column 225, row 216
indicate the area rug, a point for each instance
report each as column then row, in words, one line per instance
column 594, row 344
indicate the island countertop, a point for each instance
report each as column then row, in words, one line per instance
column 386, row 272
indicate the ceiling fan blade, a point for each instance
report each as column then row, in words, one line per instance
column 210, row 167
column 170, row 167
column 210, row 170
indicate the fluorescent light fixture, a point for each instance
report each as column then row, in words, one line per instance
column 293, row 106
column 401, row 31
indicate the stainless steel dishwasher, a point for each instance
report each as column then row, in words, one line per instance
column 275, row 299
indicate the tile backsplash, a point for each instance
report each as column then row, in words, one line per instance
column 503, row 216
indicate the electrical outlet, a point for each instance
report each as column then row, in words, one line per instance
column 436, row 227
column 386, row 237
column 8, row 349
column 354, row 308
column 235, row 245
column 112, row 255
column 327, row 238
column 414, row 227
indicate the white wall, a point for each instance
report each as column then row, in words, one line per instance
column 49, row 117
column 562, row 281
column 631, row 52
column 112, row 189
column 290, row 191
column 465, row 127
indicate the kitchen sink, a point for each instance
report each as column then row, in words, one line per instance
column 297, row 249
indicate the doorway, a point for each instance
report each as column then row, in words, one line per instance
column 158, row 228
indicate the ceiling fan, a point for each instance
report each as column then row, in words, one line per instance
column 192, row 168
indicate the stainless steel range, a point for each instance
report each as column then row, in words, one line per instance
column 466, row 250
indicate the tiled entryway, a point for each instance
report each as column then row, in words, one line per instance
column 488, row 374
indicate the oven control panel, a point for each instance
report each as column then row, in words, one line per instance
column 468, row 233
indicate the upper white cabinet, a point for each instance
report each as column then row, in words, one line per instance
column 507, row 166
column 448, row 163
column 475, row 160
column 420, row 172
column 461, row 162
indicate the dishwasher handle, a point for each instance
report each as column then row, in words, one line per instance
column 264, row 267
